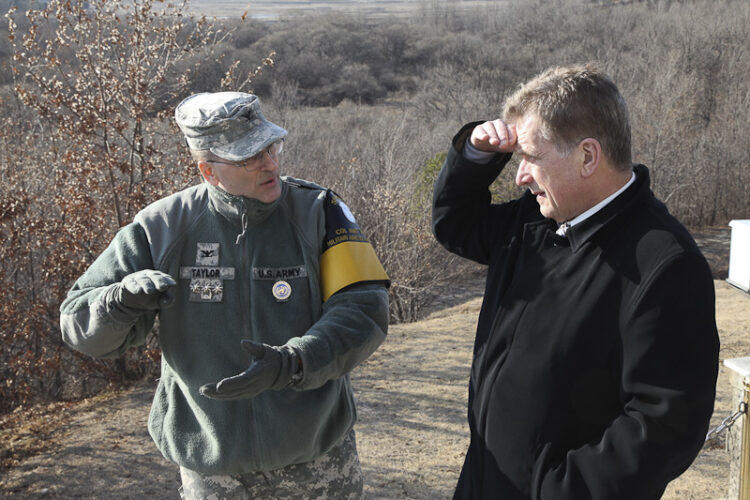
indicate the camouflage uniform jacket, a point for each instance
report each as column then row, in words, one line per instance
column 245, row 269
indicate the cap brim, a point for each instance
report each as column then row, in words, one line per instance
column 256, row 140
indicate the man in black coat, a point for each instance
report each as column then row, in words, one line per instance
column 596, row 350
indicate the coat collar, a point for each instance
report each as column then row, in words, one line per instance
column 234, row 208
column 579, row 234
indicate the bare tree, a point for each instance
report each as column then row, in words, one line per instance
column 101, row 78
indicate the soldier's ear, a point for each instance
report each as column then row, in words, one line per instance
column 207, row 172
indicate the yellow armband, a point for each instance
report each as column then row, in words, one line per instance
column 348, row 256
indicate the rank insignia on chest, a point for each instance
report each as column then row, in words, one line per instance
column 207, row 277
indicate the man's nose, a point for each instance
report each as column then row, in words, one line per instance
column 523, row 177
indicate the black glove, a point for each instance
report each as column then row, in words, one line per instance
column 272, row 367
column 146, row 289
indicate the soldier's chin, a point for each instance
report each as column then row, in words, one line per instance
column 270, row 190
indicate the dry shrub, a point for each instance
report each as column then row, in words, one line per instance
column 96, row 144
column 383, row 163
column 93, row 144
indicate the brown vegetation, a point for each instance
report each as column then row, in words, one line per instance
column 93, row 144
column 371, row 106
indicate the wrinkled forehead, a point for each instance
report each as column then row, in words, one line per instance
column 531, row 133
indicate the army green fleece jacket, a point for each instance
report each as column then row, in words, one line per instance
column 228, row 254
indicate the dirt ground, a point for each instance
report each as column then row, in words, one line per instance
column 412, row 431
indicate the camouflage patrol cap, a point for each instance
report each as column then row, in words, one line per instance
column 229, row 124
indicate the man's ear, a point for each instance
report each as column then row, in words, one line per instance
column 592, row 156
column 207, row 172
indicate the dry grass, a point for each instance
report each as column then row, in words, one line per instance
column 412, row 431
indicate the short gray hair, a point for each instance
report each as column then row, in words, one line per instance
column 574, row 103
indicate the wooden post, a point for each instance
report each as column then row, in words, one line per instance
column 738, row 437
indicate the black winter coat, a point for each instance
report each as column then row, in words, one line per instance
column 596, row 354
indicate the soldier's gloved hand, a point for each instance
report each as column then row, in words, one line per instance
column 271, row 367
column 146, row 289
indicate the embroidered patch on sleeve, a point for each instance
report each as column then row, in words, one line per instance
column 348, row 256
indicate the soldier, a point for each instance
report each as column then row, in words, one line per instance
column 268, row 295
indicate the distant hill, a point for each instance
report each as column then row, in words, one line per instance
column 270, row 10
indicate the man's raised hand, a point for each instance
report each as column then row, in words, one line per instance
column 495, row 136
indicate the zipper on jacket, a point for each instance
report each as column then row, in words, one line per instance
column 243, row 220
column 244, row 281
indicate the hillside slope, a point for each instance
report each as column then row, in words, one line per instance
column 411, row 434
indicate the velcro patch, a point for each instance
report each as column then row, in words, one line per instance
column 279, row 273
